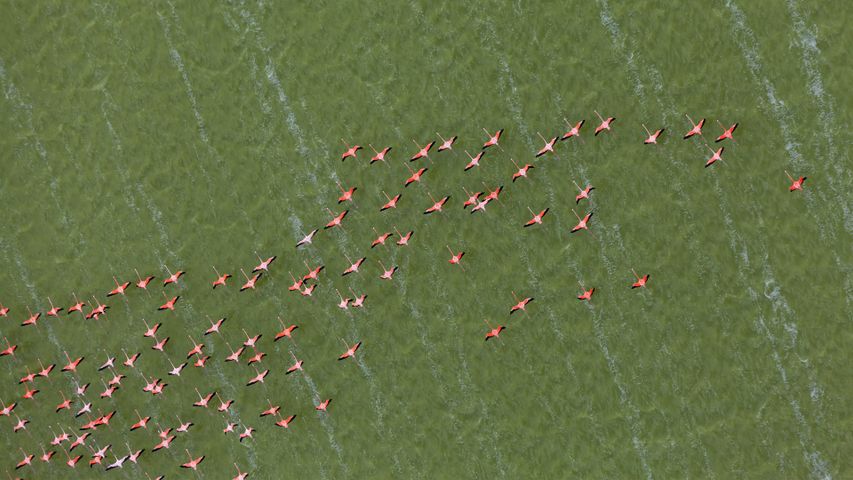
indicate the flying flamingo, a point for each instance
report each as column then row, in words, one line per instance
column 220, row 279
column 344, row 303
column 473, row 198
column 423, row 152
column 258, row 378
column 240, row 475
column 203, row 400
column 149, row 331
column 574, row 131
column 45, row 371
column 493, row 139
column 224, row 406
column 446, row 144
column 120, row 288
column 170, row 303
column 183, row 427
column 436, row 206
column 353, row 268
column 324, row 405
column 130, row 361
column 297, row 365
column 297, row 284
column 380, row 240
column 795, row 184
column 142, row 423
column 652, row 137
column 474, row 161
column 404, row 239
column 380, row 156
column 193, row 463
column 696, row 127
column 313, row 274
column 251, row 341
column 28, row 458
column 250, row 282
column 10, row 349
column 21, row 424
column 727, row 132
column 72, row 364
column 521, row 172
column 166, row 442
column 173, row 277
column 285, row 331
column 54, row 311
column 235, row 354
column 77, row 307
column 351, row 151
column 455, row 258
column 605, row 124
column 307, row 238
column 96, row 312
column 118, row 463
column 159, row 345
column 273, row 410
column 308, row 291
column 582, row 223
column 520, row 304
column 718, row 155
column 493, row 195
column 142, row 283
column 416, row 176
column 641, row 281
column 358, row 302
column 32, row 319
column 493, row 332
column 214, row 326
column 7, row 409
column 587, row 294
column 197, row 348
column 387, row 273
column 265, row 264
column 109, row 363
column 350, row 350
column 285, row 422
column 346, row 195
column 392, row 202
column 549, row 146
column 537, row 217
column 4, row 311
column 336, row 220
column 584, row 192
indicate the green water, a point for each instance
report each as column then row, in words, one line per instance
column 194, row 134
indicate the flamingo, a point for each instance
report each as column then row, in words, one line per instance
column 235, row 354
column 696, row 128
column 795, row 184
column 32, row 319
column 297, row 365
column 4, row 311
column 353, row 268
column 423, row 152
column 164, row 443
column 79, row 440
column 159, row 345
column 118, row 463
column 86, row 408
column 142, row 423
column 9, row 350
column 120, row 288
column 351, row 151
column 214, row 326
column 259, row 356
column 727, row 132
column 258, row 378
column 584, row 192
column 537, row 217
column 416, row 176
column 652, row 138
column 297, row 284
column 718, row 155
column 149, row 331
column 520, row 304
column 77, row 307
column 436, row 206
column 574, row 131
column 273, row 410
column 387, row 273
column 455, row 258
column 308, row 291
column 80, row 390
column 173, row 277
column 130, row 361
column 220, row 279
column 346, row 195
column 142, row 283
column 336, row 220
column 203, row 400
column 229, row 427
column 285, row 331
column 379, row 156
column 96, row 312
column 7, row 409
column 493, row 332
column 521, row 172
column 285, row 422
column 313, row 274
column 223, row 407
column 392, row 202
column 493, row 195
column 109, row 363
column 240, row 475
column 183, row 427
column 193, row 463
column 170, row 303
column 587, row 294
column 404, row 239
column 265, row 264
column 21, row 424
column 493, row 139
column 474, row 161
column 45, row 371
column 307, row 238
column 344, row 303
column 134, row 456
column 641, row 281
column 472, row 199
column 446, row 144
column 582, row 223
column 380, row 240
column 28, row 458
column 323, row 406
column 46, row 456
column 350, row 350
column 358, row 302
column 251, row 341
column 250, row 282
column 54, row 311
column 605, row 124
column 72, row 365
column 549, row 146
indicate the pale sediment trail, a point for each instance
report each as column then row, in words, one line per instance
column 14, row 97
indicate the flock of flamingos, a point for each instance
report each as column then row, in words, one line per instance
column 76, row 434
